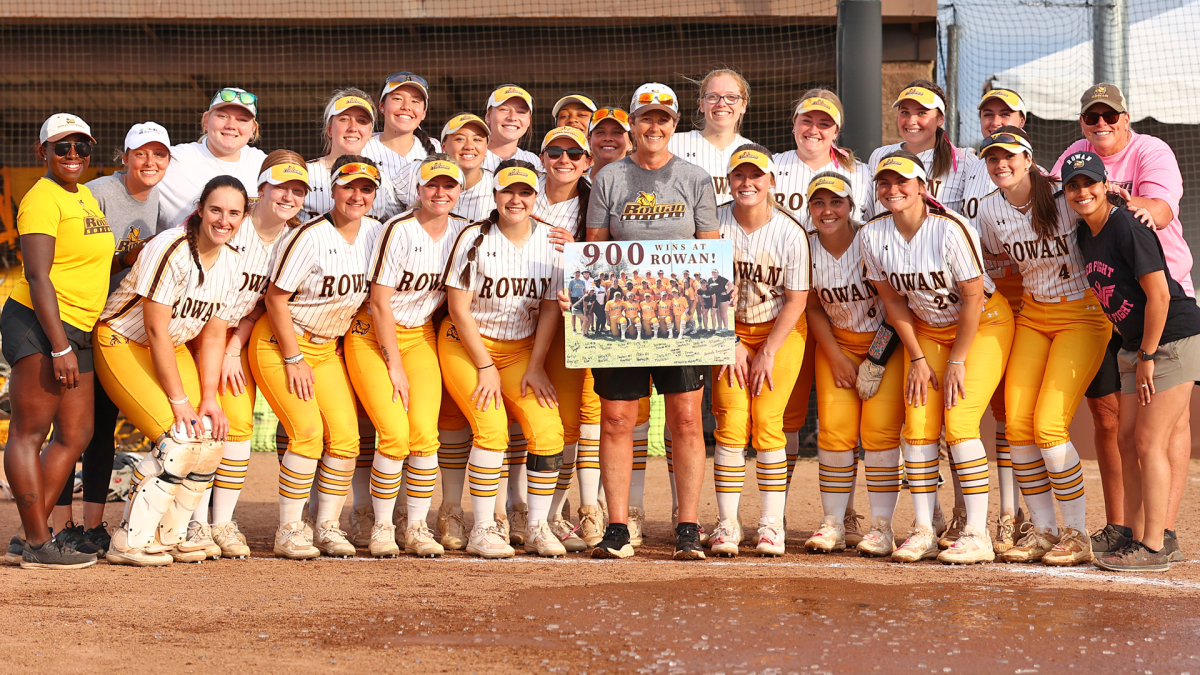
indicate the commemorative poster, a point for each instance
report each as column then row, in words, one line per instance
column 649, row 303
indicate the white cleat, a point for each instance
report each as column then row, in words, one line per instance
column 972, row 546
column 119, row 554
column 518, row 522
column 853, row 525
column 920, row 544
column 362, row 525
column 540, row 539
column 487, row 541
column 724, row 540
column 229, row 539
column 331, row 540
column 635, row 523
column 199, row 538
column 452, row 523
column 879, row 541
column 419, row 541
column 830, row 536
column 293, row 542
column 383, row 541
column 591, row 525
column 771, row 539
column 566, row 533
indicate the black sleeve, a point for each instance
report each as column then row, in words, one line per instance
column 1142, row 249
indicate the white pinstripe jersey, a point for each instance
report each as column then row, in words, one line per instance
column 389, row 161
column 474, row 203
column 793, row 176
column 563, row 214
column 947, row 189
column 977, row 186
column 507, row 282
column 849, row 298
column 928, row 269
column 766, row 262
column 166, row 273
column 410, row 261
column 325, row 274
column 693, row 147
column 1053, row 266
column 254, row 273
column 492, row 161
column 319, row 200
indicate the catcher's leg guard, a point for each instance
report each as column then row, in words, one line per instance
column 160, row 474
column 207, row 457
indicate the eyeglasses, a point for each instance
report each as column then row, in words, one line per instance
column 731, row 99
column 1093, row 118
column 235, row 96
column 82, row 148
column 573, row 154
column 648, row 97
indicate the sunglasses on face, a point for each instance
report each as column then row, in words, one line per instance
column 573, row 154
column 1093, row 118
column 82, row 148
column 232, row 96
column 731, row 99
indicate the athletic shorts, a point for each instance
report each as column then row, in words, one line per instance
column 1108, row 378
column 1178, row 362
column 22, row 335
column 631, row 384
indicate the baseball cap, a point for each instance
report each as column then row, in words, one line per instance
column 654, row 96
column 235, row 96
column 834, row 184
column 904, row 167
column 571, row 133
column 759, row 159
column 60, row 125
column 1105, row 93
column 354, row 170
column 341, row 105
column 505, row 92
column 1009, row 97
column 927, row 98
column 146, row 132
column 463, row 119
column 404, row 78
column 575, row 97
column 818, row 104
column 1010, row 142
column 282, row 173
column 1085, row 163
column 615, row 114
column 515, row 174
column 439, row 167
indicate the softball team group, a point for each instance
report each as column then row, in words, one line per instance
column 399, row 304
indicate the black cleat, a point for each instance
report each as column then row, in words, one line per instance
column 687, row 542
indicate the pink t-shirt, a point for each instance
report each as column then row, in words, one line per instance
column 1147, row 168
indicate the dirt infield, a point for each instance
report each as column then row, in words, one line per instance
column 837, row 613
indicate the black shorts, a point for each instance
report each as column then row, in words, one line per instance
column 22, row 335
column 1108, row 378
column 630, row 384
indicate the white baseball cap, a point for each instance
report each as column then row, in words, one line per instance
column 60, row 125
column 146, row 132
column 654, row 96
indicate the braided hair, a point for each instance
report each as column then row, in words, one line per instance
column 426, row 141
column 192, row 224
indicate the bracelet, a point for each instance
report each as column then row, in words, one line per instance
column 293, row 360
column 64, row 352
column 490, row 365
column 180, row 402
column 916, row 359
column 234, row 356
column 956, row 363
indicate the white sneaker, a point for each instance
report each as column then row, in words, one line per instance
column 330, row 540
column 199, row 538
column 294, row 543
column 229, row 539
column 487, row 541
column 419, row 541
column 879, row 541
column 362, row 526
column 919, row 545
column 518, row 523
column 637, row 518
column 452, row 523
column 591, row 525
column 566, row 533
column 972, row 546
column 541, row 540
column 830, row 536
column 724, row 539
column 383, row 541
column 771, row 539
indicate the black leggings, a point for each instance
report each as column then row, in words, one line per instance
column 98, row 457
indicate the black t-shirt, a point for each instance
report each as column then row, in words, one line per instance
column 1124, row 250
column 722, row 288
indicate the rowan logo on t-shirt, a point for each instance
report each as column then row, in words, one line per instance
column 94, row 225
column 646, row 207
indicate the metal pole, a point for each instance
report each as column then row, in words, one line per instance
column 860, row 73
column 952, row 35
column 1110, row 43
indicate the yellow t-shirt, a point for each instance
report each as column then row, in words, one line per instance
column 83, row 249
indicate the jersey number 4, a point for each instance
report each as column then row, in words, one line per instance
column 1064, row 273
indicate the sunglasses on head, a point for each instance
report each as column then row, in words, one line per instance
column 1091, row 118
column 655, row 97
column 573, row 154
column 610, row 113
column 404, row 77
column 82, row 148
column 235, row 96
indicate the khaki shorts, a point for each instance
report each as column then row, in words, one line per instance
column 1179, row 362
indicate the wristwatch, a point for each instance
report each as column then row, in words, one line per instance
column 1143, row 356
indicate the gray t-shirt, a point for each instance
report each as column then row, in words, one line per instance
column 674, row 202
column 131, row 221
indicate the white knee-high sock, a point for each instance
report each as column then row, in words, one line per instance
column 637, row 481
column 565, row 475
column 200, row 513
column 362, row 465
column 1066, row 477
column 1004, row 473
column 386, row 475
column 231, row 475
column 296, row 475
column 541, row 488
column 333, row 483
column 836, row 471
column 420, row 475
column 454, row 448
column 969, row 461
column 771, row 469
column 1030, row 471
column 921, row 465
column 483, row 477
column 883, row 482
column 587, row 464
column 729, row 474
